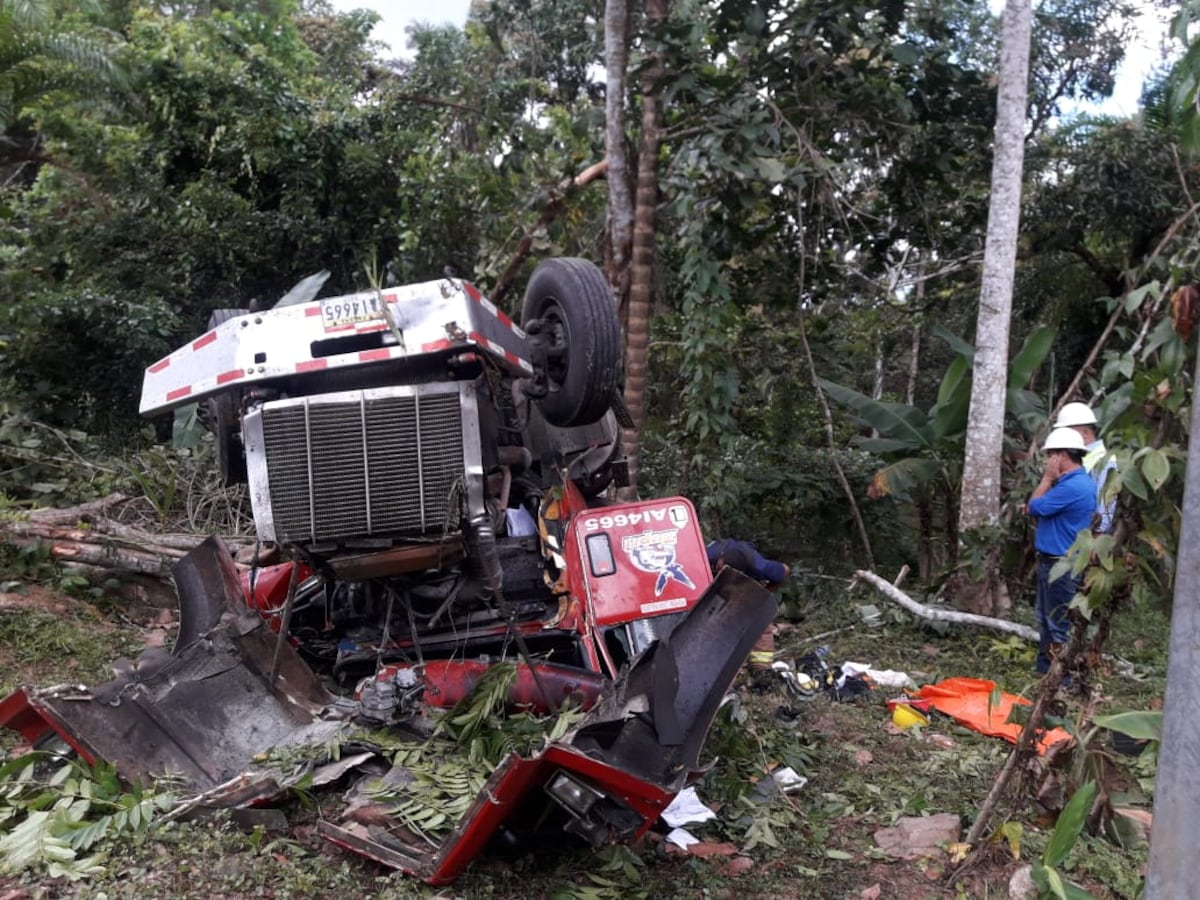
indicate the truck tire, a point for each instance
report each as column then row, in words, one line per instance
column 572, row 300
column 224, row 416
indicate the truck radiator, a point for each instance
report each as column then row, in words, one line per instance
column 361, row 464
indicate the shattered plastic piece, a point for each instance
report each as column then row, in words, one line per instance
column 686, row 808
column 331, row 772
column 782, row 781
column 905, row 717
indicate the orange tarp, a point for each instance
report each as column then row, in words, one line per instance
column 970, row 702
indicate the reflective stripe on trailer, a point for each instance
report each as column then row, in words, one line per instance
column 473, row 292
column 500, row 350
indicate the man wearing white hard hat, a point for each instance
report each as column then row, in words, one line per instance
column 1096, row 460
column 1063, row 504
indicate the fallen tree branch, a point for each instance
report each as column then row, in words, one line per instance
column 104, row 544
column 550, row 211
column 84, row 512
column 931, row 614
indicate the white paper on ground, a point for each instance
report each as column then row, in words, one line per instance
column 681, row 837
column 890, row 678
column 686, row 808
column 787, row 779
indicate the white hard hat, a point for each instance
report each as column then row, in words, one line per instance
column 1064, row 439
column 1075, row 414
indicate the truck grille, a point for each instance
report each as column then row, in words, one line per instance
column 363, row 464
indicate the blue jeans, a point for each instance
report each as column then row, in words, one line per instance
column 1053, row 599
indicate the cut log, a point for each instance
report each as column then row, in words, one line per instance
column 73, row 515
column 104, row 544
column 932, row 614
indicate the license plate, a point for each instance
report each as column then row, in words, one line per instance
column 341, row 312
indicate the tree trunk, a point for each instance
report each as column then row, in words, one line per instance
column 617, row 21
column 641, row 282
column 1177, row 799
column 924, row 536
column 980, row 503
column 981, row 468
column 914, row 356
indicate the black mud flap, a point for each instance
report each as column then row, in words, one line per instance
column 201, row 713
column 654, row 723
column 208, row 586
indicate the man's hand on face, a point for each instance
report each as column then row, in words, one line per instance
column 1053, row 465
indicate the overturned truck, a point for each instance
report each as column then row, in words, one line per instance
column 434, row 472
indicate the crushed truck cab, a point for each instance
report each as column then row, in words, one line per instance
column 434, row 474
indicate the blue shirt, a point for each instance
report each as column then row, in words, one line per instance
column 763, row 569
column 1063, row 511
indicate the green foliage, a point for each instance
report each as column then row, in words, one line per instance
column 441, row 778
column 44, row 640
column 1013, row 648
column 1066, row 833
column 936, row 434
column 1138, row 724
column 40, row 54
column 481, row 724
column 75, row 360
column 47, row 466
column 747, row 751
column 440, row 789
column 52, row 811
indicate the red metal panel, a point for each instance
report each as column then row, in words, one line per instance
column 271, row 589
column 20, row 711
column 512, row 781
column 659, row 561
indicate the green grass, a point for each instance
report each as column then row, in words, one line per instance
column 76, row 645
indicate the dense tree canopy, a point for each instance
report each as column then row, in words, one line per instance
column 822, row 194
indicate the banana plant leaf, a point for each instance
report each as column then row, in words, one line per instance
column 949, row 414
column 892, row 420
